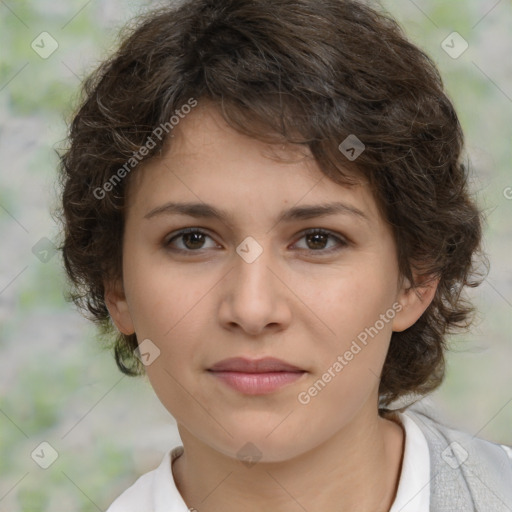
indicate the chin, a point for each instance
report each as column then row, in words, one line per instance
column 258, row 443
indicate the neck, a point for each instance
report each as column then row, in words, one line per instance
column 358, row 468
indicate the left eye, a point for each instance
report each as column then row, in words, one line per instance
column 317, row 239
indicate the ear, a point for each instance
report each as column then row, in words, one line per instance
column 414, row 302
column 115, row 300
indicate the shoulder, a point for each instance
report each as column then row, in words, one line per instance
column 151, row 487
column 466, row 470
column 439, row 435
column 136, row 497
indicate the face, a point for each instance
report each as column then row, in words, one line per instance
column 271, row 278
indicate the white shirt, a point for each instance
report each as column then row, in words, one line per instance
column 156, row 491
column 413, row 494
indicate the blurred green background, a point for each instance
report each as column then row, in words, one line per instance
column 58, row 386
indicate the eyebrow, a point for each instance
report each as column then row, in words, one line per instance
column 207, row 211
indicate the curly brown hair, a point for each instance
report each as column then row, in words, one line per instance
column 308, row 72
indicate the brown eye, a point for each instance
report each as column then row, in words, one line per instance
column 188, row 240
column 318, row 239
column 193, row 240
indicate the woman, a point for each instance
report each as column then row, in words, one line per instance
column 266, row 200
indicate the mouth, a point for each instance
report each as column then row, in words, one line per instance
column 256, row 377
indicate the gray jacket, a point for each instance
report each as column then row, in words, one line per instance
column 468, row 474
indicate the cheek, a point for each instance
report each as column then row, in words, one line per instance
column 349, row 362
column 161, row 296
column 352, row 301
column 357, row 310
column 173, row 375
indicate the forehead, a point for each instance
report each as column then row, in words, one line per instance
column 205, row 160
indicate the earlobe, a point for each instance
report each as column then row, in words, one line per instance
column 117, row 305
column 414, row 301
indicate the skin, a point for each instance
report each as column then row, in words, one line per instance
column 299, row 301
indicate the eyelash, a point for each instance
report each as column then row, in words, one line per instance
column 342, row 242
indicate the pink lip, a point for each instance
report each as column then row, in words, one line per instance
column 256, row 377
column 264, row 365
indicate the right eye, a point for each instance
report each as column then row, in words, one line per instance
column 190, row 240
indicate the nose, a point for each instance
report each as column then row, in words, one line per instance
column 255, row 298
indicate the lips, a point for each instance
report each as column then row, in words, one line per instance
column 265, row 365
column 256, row 376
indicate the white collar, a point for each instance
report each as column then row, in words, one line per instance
column 413, row 494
